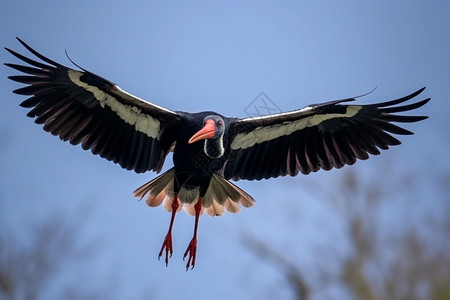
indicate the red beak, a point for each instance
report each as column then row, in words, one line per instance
column 207, row 132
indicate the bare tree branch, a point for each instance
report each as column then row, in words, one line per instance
column 383, row 262
column 29, row 268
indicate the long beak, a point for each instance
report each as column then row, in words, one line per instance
column 207, row 132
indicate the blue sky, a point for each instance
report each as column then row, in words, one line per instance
column 211, row 55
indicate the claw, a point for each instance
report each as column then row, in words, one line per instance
column 192, row 251
column 167, row 245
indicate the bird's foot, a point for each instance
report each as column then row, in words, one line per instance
column 167, row 246
column 192, row 251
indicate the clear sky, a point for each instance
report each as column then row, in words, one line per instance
column 210, row 55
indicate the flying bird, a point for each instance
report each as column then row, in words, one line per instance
column 208, row 148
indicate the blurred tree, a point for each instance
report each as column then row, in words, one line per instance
column 293, row 275
column 383, row 260
column 32, row 269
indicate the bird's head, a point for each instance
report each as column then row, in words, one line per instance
column 212, row 132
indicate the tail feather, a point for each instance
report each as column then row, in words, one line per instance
column 215, row 209
column 156, row 190
column 232, row 207
column 221, row 195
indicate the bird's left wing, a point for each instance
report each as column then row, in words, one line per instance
column 81, row 107
column 320, row 136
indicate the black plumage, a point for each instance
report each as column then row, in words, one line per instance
column 209, row 149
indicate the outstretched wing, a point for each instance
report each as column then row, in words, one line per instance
column 321, row 136
column 81, row 107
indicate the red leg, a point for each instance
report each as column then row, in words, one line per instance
column 167, row 244
column 192, row 248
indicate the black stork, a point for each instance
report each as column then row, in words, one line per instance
column 208, row 149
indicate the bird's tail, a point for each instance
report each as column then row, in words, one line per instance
column 156, row 189
column 221, row 195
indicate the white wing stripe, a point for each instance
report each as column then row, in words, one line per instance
column 147, row 103
column 267, row 133
column 130, row 114
column 279, row 115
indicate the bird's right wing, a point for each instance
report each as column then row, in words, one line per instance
column 81, row 107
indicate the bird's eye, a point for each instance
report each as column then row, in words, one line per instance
column 220, row 123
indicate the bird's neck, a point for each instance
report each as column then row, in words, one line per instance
column 214, row 147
